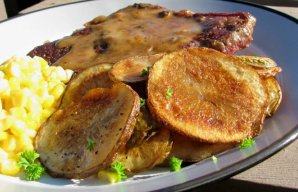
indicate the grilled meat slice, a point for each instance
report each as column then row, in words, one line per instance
column 144, row 29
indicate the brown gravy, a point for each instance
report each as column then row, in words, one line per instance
column 128, row 32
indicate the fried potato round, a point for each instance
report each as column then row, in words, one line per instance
column 92, row 77
column 84, row 135
column 275, row 95
column 134, row 69
column 207, row 95
column 264, row 66
column 193, row 151
column 148, row 146
column 150, row 153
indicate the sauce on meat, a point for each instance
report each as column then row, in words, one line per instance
column 135, row 31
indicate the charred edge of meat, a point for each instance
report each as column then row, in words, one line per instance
column 220, row 33
column 49, row 52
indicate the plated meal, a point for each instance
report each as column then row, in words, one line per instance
column 143, row 87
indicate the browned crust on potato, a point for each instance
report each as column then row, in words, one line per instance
column 105, row 115
column 215, row 98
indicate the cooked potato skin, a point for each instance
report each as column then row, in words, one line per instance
column 214, row 98
column 150, row 153
column 130, row 70
column 105, row 114
column 190, row 150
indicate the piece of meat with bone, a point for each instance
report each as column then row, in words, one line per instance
column 145, row 29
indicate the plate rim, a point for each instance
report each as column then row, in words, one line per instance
column 292, row 18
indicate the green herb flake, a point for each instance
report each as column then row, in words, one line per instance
column 145, row 72
column 33, row 170
column 246, row 143
column 214, row 159
column 169, row 93
column 90, row 144
column 175, row 163
column 142, row 102
column 119, row 168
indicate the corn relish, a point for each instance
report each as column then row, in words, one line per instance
column 30, row 91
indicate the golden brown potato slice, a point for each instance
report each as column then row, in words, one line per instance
column 257, row 61
column 265, row 66
column 133, row 69
column 83, row 137
column 93, row 77
column 148, row 145
column 150, row 153
column 193, row 151
column 275, row 95
column 207, row 95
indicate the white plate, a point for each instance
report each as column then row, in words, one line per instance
column 275, row 36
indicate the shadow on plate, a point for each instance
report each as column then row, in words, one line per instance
column 235, row 185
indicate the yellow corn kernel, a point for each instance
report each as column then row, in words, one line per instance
column 12, row 70
column 18, row 128
column 46, row 113
column 33, row 105
column 60, row 73
column 2, row 74
column 4, row 88
column 3, row 113
column 24, row 143
column 34, row 65
column 18, row 97
column 30, row 133
column 42, row 89
column 9, row 144
column 3, row 154
column 9, row 167
column 31, row 121
column 3, row 135
column 108, row 176
column 48, row 102
column 6, row 122
column 18, row 112
column 43, row 63
column 58, row 90
column 14, row 83
column 36, row 77
column 69, row 74
column 0, row 104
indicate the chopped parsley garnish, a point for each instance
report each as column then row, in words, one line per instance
column 169, row 93
column 145, row 72
column 119, row 168
column 246, row 143
column 33, row 170
column 214, row 159
column 175, row 163
column 142, row 102
column 90, row 144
